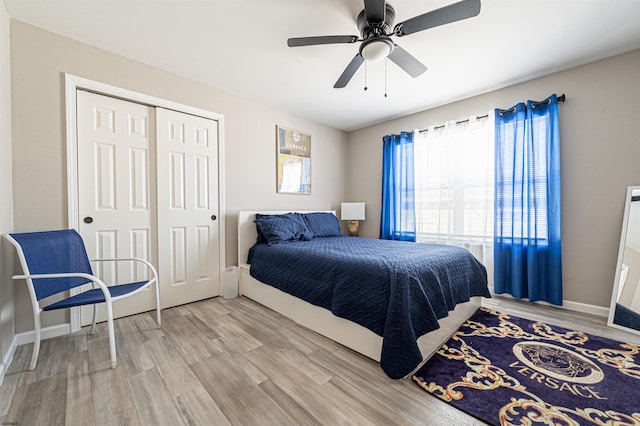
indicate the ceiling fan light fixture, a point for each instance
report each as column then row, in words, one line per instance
column 376, row 49
column 375, row 24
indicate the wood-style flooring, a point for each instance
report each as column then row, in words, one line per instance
column 214, row 362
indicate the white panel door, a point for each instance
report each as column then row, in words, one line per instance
column 187, row 152
column 117, row 192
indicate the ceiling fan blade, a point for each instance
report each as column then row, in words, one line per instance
column 374, row 10
column 310, row 41
column 348, row 72
column 445, row 15
column 406, row 61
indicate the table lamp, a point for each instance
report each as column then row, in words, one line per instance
column 353, row 213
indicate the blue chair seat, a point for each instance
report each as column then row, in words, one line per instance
column 94, row 295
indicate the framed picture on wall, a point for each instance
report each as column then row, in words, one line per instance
column 293, row 161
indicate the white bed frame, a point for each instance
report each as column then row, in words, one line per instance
column 321, row 320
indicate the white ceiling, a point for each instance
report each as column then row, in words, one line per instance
column 240, row 46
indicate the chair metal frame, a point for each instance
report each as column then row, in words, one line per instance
column 97, row 283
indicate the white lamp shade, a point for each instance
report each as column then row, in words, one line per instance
column 352, row 211
column 375, row 51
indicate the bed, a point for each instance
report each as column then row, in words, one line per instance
column 388, row 308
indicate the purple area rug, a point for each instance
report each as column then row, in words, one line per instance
column 507, row 370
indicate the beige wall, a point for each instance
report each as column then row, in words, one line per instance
column 600, row 149
column 6, row 203
column 39, row 60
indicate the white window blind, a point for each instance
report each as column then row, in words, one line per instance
column 454, row 185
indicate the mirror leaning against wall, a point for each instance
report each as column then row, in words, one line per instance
column 624, row 312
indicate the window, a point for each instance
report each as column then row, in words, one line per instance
column 454, row 184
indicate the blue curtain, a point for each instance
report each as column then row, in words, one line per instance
column 397, row 220
column 527, row 242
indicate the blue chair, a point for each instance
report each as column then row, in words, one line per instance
column 55, row 262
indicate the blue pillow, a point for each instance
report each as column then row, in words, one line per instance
column 322, row 224
column 282, row 228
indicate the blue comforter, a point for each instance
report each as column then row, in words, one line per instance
column 396, row 289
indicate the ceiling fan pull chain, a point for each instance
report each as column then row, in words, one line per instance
column 385, row 77
column 365, row 76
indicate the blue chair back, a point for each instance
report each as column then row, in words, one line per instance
column 54, row 252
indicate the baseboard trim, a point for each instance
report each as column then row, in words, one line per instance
column 7, row 358
column 600, row 311
column 46, row 333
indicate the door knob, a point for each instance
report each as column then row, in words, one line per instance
column 88, row 219
column 214, row 217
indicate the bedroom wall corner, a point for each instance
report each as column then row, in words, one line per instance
column 7, row 294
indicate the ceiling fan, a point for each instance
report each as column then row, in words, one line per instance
column 375, row 25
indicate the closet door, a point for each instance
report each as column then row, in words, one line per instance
column 116, row 192
column 187, row 153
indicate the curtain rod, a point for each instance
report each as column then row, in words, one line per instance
column 480, row 117
column 561, row 98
